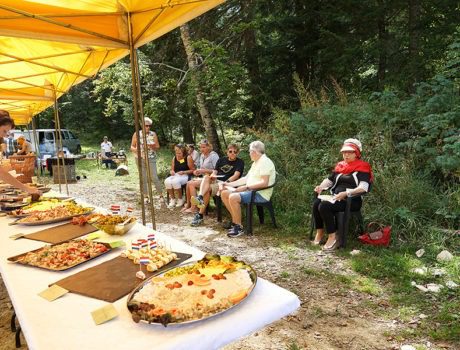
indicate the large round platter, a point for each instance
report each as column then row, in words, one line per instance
column 52, row 221
column 166, row 319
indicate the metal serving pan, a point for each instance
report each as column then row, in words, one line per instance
column 16, row 257
column 52, row 221
column 252, row 275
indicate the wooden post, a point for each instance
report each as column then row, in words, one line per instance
column 59, row 139
column 139, row 122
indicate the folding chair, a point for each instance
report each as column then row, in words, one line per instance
column 342, row 219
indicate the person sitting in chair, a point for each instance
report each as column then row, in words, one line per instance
column 228, row 169
column 261, row 175
column 208, row 161
column 182, row 167
column 350, row 177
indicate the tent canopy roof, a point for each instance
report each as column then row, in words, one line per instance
column 47, row 46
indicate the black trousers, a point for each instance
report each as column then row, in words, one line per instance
column 324, row 212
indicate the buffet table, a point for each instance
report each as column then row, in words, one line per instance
column 67, row 322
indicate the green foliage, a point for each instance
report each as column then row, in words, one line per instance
column 406, row 194
column 226, row 83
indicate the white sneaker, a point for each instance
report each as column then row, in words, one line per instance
column 172, row 203
column 180, row 202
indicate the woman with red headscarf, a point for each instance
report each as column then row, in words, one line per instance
column 350, row 177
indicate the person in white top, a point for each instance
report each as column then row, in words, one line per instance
column 261, row 175
column 106, row 152
column 194, row 154
column 208, row 161
column 153, row 145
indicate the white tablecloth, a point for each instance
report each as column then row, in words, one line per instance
column 66, row 323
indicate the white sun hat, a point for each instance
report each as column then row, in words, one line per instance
column 347, row 147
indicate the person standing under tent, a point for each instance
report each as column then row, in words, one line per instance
column 11, row 144
column 106, row 152
column 153, row 146
column 6, row 124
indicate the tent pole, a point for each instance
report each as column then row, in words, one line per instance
column 37, row 149
column 144, row 141
column 59, row 138
column 136, row 122
column 56, row 145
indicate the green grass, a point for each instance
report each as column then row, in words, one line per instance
column 393, row 266
column 96, row 174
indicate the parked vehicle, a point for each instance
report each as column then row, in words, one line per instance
column 47, row 142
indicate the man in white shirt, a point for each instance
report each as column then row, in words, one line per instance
column 106, row 152
column 261, row 175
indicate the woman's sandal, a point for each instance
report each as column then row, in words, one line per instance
column 332, row 247
column 318, row 242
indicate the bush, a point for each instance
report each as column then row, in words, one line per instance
column 305, row 147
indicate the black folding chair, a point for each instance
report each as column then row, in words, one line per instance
column 343, row 220
column 260, row 210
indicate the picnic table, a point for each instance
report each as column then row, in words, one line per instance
column 66, row 323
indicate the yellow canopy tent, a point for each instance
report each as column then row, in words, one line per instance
column 47, row 46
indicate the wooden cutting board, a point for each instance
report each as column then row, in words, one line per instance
column 112, row 279
column 61, row 233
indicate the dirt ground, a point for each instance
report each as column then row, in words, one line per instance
column 331, row 316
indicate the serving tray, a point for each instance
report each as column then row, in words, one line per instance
column 16, row 258
column 61, row 233
column 165, row 322
column 51, row 221
column 112, row 279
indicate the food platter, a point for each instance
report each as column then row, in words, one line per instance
column 39, row 206
column 193, row 292
column 52, row 221
column 9, row 206
column 62, row 256
column 112, row 224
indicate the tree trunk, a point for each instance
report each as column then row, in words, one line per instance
column 260, row 110
column 187, row 132
column 208, row 121
column 383, row 44
column 414, row 38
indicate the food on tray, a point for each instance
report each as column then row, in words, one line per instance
column 112, row 224
column 42, row 205
column 64, row 255
column 140, row 274
column 79, row 220
column 158, row 257
column 61, row 211
column 205, row 288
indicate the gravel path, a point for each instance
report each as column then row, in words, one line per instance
column 332, row 315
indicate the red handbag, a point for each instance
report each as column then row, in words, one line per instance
column 379, row 237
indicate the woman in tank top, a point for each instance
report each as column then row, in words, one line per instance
column 181, row 167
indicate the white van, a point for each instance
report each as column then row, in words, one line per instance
column 47, row 140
